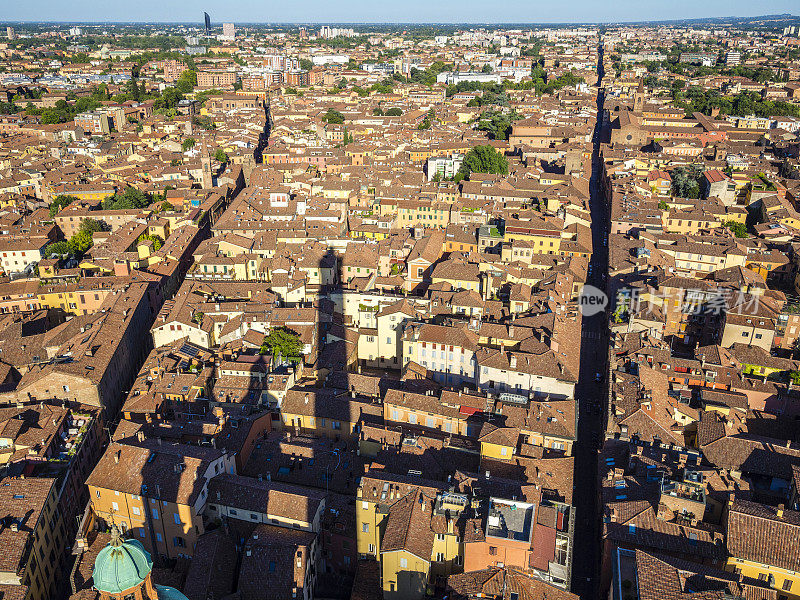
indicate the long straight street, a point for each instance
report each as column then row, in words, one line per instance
column 590, row 392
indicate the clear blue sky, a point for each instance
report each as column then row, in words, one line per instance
column 406, row 11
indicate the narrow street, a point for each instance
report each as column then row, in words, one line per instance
column 590, row 392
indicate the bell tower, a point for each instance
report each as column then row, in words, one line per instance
column 205, row 162
column 638, row 98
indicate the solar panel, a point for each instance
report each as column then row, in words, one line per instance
column 189, row 350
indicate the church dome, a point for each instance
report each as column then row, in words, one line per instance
column 121, row 565
column 168, row 593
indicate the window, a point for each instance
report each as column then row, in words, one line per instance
column 115, row 506
column 178, row 542
column 135, row 510
column 154, row 512
column 372, row 548
column 365, row 527
column 492, row 550
column 403, row 563
column 787, row 585
column 440, row 557
column 158, row 537
column 177, row 518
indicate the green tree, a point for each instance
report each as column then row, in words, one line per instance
column 186, row 82
column 284, row 341
column 220, row 155
column 128, row 199
column 80, row 243
column 738, row 229
column 333, row 116
column 483, row 159
column 169, row 99
column 487, row 68
column 497, row 124
column 686, row 182
column 60, row 202
column 91, row 226
column 188, row 143
column 57, row 248
column 157, row 241
column 662, row 204
column 393, row 112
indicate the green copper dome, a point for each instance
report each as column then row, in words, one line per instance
column 168, row 593
column 121, row 565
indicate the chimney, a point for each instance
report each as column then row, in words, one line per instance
column 513, row 362
column 116, row 456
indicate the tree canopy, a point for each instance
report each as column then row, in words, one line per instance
column 497, row 124
column 60, row 202
column 738, row 229
column 483, row 159
column 333, row 117
column 686, row 182
column 157, row 241
column 128, row 199
column 285, row 342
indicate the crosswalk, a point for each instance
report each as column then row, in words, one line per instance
column 591, row 335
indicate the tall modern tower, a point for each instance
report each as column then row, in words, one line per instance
column 208, row 23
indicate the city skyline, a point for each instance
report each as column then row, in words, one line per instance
column 360, row 11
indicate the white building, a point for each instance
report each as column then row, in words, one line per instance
column 228, row 31
column 445, row 167
column 450, row 78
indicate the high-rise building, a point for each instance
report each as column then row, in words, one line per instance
column 10, row 33
column 208, row 23
column 228, row 30
column 733, row 58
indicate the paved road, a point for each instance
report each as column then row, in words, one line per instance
column 591, row 398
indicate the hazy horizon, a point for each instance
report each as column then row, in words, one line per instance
column 363, row 12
